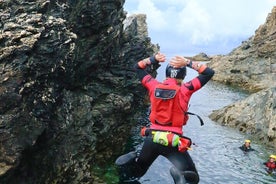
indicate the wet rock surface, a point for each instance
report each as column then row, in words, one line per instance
column 68, row 92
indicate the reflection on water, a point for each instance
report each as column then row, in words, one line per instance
column 215, row 153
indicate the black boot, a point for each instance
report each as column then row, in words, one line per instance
column 178, row 177
column 184, row 177
column 191, row 177
column 126, row 158
column 127, row 167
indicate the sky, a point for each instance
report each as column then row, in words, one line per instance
column 189, row 27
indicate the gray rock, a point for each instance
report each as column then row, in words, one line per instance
column 251, row 66
column 255, row 115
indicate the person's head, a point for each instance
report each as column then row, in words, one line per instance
column 272, row 158
column 247, row 143
column 177, row 73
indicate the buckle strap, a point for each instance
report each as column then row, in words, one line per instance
column 200, row 119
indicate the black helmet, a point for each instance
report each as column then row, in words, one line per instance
column 178, row 73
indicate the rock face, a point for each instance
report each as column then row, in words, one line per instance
column 254, row 115
column 65, row 81
column 251, row 66
column 199, row 57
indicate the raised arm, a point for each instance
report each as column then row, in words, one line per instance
column 142, row 65
column 205, row 73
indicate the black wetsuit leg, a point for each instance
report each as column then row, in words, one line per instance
column 147, row 155
column 137, row 167
column 150, row 151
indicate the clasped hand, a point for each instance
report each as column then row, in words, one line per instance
column 176, row 61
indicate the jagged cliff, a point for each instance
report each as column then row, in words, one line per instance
column 65, row 81
column 251, row 66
